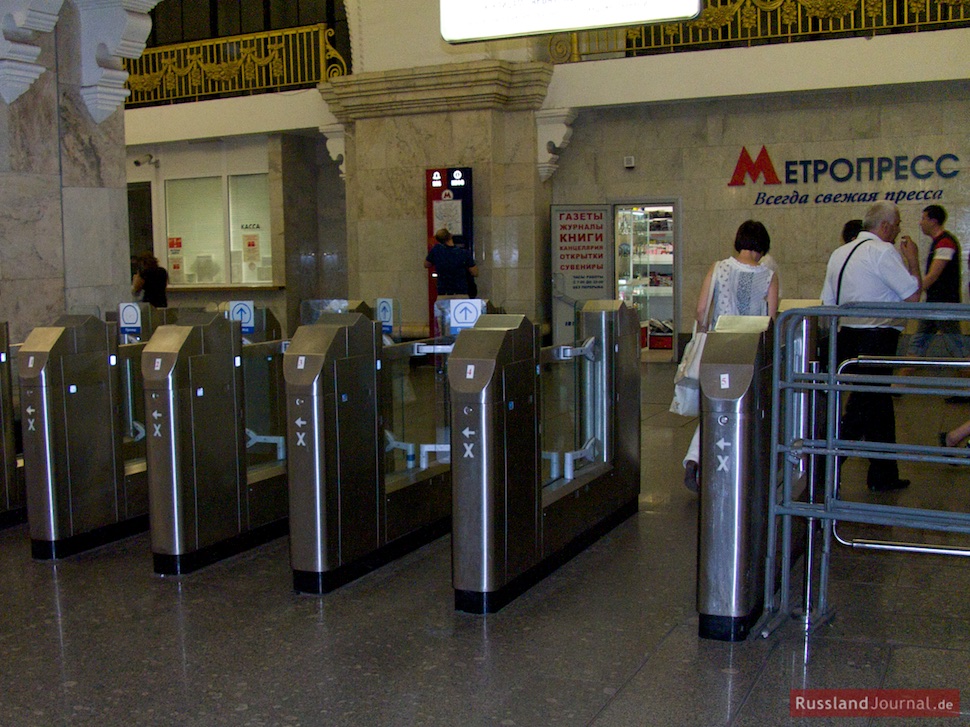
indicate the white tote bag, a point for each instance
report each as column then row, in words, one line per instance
column 687, row 392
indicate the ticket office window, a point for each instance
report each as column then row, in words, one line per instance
column 218, row 230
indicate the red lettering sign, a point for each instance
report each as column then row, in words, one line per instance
column 754, row 169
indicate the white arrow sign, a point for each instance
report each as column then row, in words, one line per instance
column 721, row 444
column 300, row 422
column 30, row 410
column 156, row 414
column 468, row 432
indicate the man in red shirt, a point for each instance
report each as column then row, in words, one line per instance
column 941, row 282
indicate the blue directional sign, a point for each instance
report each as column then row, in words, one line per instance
column 129, row 319
column 464, row 313
column 385, row 314
column 244, row 312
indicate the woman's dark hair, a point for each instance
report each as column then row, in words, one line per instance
column 147, row 260
column 752, row 235
column 851, row 230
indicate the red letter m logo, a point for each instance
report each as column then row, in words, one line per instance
column 754, row 169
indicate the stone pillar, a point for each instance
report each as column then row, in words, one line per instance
column 308, row 207
column 63, row 193
column 398, row 124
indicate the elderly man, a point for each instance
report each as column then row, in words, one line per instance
column 871, row 270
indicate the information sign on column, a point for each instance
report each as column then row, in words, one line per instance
column 448, row 192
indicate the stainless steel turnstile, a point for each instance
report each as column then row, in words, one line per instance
column 735, row 460
column 348, row 513
column 217, row 480
column 79, row 492
column 12, row 498
column 509, row 528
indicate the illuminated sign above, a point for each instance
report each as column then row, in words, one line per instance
column 468, row 20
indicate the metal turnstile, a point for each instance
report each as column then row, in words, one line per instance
column 348, row 514
column 13, row 508
column 79, row 494
column 735, row 385
column 510, row 529
column 217, row 486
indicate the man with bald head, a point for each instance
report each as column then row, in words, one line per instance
column 872, row 270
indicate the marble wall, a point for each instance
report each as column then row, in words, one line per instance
column 63, row 200
column 427, row 119
column 689, row 151
column 388, row 233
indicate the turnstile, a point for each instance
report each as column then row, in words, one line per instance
column 348, row 514
column 217, row 481
column 509, row 529
column 735, row 383
column 79, row 492
column 12, row 499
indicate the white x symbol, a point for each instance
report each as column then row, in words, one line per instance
column 157, row 431
column 30, row 425
column 301, row 439
column 468, row 450
column 722, row 462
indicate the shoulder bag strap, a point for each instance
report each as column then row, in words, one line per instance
column 838, row 289
column 709, row 308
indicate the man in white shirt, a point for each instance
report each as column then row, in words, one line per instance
column 871, row 270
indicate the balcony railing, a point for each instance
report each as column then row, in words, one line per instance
column 241, row 65
column 728, row 23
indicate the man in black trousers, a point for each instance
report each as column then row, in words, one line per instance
column 871, row 270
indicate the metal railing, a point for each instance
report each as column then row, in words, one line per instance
column 239, row 65
column 727, row 23
column 812, row 492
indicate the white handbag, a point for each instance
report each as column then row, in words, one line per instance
column 687, row 393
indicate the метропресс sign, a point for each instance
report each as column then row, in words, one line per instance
column 901, row 168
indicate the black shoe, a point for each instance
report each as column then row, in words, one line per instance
column 889, row 486
column 691, row 476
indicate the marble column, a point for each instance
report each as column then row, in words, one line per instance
column 399, row 123
column 63, row 198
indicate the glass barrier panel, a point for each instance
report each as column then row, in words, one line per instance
column 265, row 393
column 561, row 411
column 415, row 408
column 132, row 401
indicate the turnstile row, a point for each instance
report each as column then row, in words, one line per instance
column 347, row 514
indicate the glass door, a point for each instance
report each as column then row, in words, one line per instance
column 646, row 270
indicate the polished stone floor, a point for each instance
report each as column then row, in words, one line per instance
column 608, row 639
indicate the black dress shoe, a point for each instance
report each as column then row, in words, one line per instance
column 889, row 486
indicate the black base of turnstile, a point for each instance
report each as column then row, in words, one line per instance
column 17, row 516
column 54, row 549
column 316, row 583
column 491, row 601
column 178, row 565
column 727, row 628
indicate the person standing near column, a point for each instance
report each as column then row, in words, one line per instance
column 871, row 270
column 453, row 265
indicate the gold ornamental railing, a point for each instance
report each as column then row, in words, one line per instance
column 239, row 65
column 728, row 23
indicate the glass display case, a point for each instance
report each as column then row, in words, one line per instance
column 645, row 269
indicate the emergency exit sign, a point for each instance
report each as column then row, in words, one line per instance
column 468, row 20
